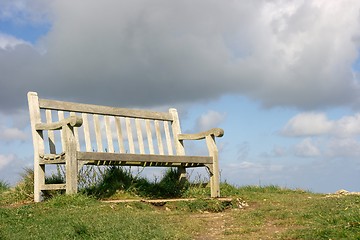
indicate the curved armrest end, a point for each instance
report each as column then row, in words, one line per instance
column 217, row 132
column 73, row 121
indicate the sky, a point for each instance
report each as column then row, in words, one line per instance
column 280, row 77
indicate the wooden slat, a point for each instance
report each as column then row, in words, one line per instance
column 51, row 135
column 53, row 186
column 168, row 138
column 87, row 135
column 130, row 135
column 58, row 161
column 164, row 201
column 149, row 136
column 76, row 133
column 61, row 117
column 38, row 143
column 176, row 129
column 159, row 138
column 139, row 135
column 98, row 133
column 103, row 110
column 142, row 164
column 109, row 134
column 119, row 135
column 84, row 156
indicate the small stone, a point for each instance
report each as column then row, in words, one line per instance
column 342, row 192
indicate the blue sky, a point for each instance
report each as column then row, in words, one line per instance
column 280, row 77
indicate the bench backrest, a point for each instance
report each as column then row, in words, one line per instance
column 109, row 129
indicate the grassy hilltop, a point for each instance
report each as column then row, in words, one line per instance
column 268, row 212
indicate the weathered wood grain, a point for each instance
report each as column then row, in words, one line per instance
column 102, row 156
column 119, row 135
column 130, row 135
column 98, row 136
column 102, row 110
column 159, row 137
column 139, row 136
column 149, row 136
column 87, row 136
column 51, row 135
column 109, row 137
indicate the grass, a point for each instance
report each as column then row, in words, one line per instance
column 271, row 212
column 4, row 186
column 80, row 217
column 296, row 214
column 117, row 181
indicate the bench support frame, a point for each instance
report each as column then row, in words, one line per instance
column 74, row 156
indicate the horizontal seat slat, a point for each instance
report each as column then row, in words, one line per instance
column 53, row 186
column 143, row 158
column 142, row 164
column 103, row 110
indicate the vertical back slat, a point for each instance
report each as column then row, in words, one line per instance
column 87, row 137
column 51, row 135
column 98, row 133
column 61, row 117
column 179, row 145
column 175, row 124
column 130, row 135
column 168, row 138
column 149, row 136
column 109, row 134
column 139, row 135
column 158, row 137
column 76, row 133
column 119, row 135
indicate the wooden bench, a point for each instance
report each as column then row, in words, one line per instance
column 100, row 135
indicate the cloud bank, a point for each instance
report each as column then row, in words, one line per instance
column 317, row 124
column 141, row 53
column 324, row 137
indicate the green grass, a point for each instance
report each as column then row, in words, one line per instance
column 272, row 212
column 296, row 214
column 4, row 186
column 117, row 181
column 80, row 217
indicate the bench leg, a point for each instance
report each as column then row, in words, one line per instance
column 182, row 177
column 39, row 181
column 71, row 176
column 215, row 183
column 214, row 169
column 71, row 162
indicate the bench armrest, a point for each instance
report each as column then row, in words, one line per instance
column 216, row 132
column 73, row 121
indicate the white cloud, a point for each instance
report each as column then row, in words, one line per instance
column 343, row 147
column 307, row 148
column 316, row 124
column 6, row 160
column 307, row 124
column 324, row 137
column 12, row 133
column 8, row 42
column 347, row 126
column 209, row 120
